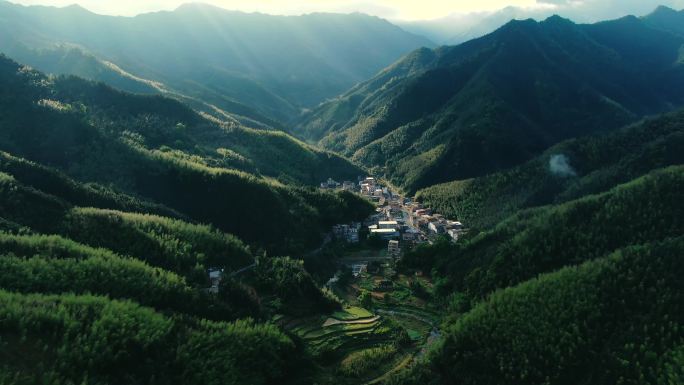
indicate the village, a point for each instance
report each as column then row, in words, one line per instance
column 380, row 302
column 400, row 221
column 379, row 297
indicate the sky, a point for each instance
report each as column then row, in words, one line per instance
column 407, row 10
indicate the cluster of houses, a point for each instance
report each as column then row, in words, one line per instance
column 423, row 219
column 333, row 185
column 400, row 222
column 370, row 188
column 347, row 232
column 366, row 186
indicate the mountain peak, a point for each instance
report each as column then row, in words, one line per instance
column 199, row 7
column 667, row 19
column 663, row 10
column 558, row 20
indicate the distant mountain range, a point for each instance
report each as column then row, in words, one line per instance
column 461, row 27
column 494, row 102
column 254, row 67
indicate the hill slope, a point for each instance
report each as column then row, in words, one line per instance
column 495, row 102
column 566, row 171
column 581, row 292
column 615, row 320
column 77, row 339
column 159, row 149
column 254, row 65
column 547, row 238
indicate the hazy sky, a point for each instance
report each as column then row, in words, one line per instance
column 391, row 9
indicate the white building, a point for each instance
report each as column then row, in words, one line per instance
column 393, row 248
column 388, row 225
column 386, row 234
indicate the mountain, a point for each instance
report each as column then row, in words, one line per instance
column 666, row 19
column 584, row 291
column 163, row 152
column 568, row 170
column 114, row 208
column 459, row 27
column 546, row 238
column 260, row 67
column 495, row 102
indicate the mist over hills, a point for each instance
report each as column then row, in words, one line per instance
column 258, row 66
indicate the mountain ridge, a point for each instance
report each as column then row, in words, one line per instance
column 236, row 61
column 528, row 84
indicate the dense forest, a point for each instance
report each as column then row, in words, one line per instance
column 583, row 291
column 71, row 339
column 544, row 239
column 115, row 207
column 162, row 151
column 566, row 171
column 616, row 320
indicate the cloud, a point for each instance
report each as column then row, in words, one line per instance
column 559, row 164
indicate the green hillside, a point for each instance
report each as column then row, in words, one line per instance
column 568, row 170
column 55, row 265
column 497, row 101
column 547, row 238
column 581, row 292
column 85, row 339
column 126, row 181
column 161, row 151
column 616, row 320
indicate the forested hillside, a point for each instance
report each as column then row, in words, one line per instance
column 162, row 151
column 115, row 208
column 581, row 292
column 77, row 339
column 495, row 102
column 616, row 320
column 566, row 171
column 544, row 239
column 252, row 66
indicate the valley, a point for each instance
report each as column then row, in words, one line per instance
column 205, row 196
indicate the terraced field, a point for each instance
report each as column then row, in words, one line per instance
column 342, row 327
column 357, row 346
column 342, row 336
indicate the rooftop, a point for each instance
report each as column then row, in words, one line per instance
column 384, row 231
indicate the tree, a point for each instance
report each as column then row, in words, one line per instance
column 365, row 299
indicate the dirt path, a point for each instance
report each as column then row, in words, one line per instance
column 401, row 365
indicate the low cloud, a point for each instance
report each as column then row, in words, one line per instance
column 559, row 165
